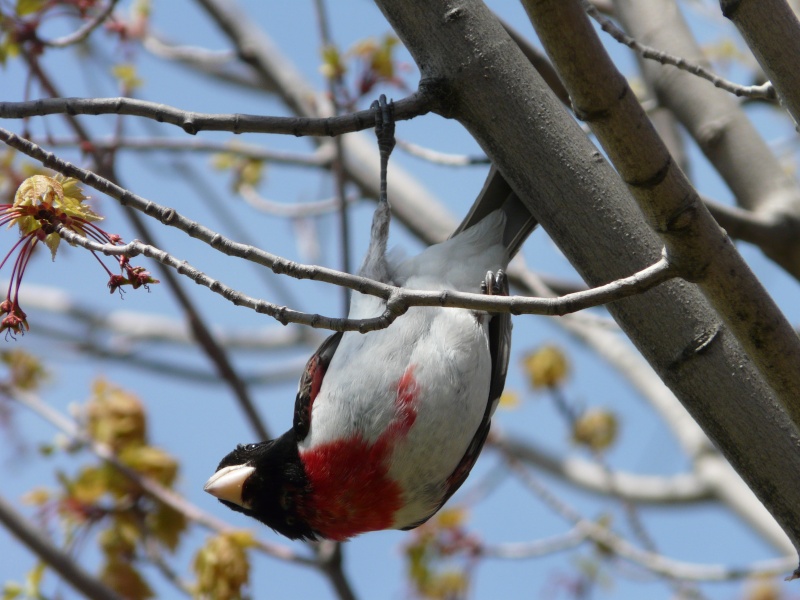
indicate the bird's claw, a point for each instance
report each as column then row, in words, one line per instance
column 384, row 124
column 495, row 284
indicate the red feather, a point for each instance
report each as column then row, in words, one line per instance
column 353, row 492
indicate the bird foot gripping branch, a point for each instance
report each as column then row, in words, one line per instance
column 41, row 206
column 388, row 424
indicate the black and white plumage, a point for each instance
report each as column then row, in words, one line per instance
column 388, row 424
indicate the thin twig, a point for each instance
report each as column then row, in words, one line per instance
column 138, row 327
column 686, row 488
column 399, row 300
column 319, row 158
column 205, row 339
column 442, row 158
column 537, row 548
column 292, row 211
column 655, row 563
column 765, row 91
column 337, row 165
column 83, row 32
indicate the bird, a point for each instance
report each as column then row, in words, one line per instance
column 388, row 424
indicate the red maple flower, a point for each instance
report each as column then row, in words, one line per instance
column 40, row 205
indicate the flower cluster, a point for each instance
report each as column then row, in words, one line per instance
column 40, row 206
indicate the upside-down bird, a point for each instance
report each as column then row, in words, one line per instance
column 388, row 424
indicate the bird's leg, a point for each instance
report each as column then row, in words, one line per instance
column 384, row 131
column 375, row 265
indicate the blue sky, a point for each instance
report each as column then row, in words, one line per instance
column 198, row 421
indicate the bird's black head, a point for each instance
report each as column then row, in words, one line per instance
column 265, row 481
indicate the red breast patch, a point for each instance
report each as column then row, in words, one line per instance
column 352, row 492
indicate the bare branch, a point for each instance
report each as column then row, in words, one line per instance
column 81, row 34
column 765, row 91
column 62, row 563
column 710, row 468
column 398, row 300
column 220, row 65
column 537, row 548
column 292, row 211
column 724, row 132
column 136, row 327
column 331, row 558
column 413, row 204
column 155, row 556
column 667, row 198
column 757, row 227
column 282, row 314
column 320, row 158
column 641, row 489
column 288, row 371
column 205, row 340
column 772, row 31
column 653, row 562
column 440, row 158
column 193, row 122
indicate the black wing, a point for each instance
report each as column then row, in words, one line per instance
column 499, row 346
column 310, row 382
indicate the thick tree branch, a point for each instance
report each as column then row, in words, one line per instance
column 707, row 464
column 671, row 205
column 723, row 131
column 740, row 224
column 492, row 89
column 772, row 31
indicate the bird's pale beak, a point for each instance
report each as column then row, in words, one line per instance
column 226, row 484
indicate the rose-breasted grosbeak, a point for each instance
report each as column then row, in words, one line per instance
column 388, row 424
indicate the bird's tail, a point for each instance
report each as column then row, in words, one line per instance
column 497, row 194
